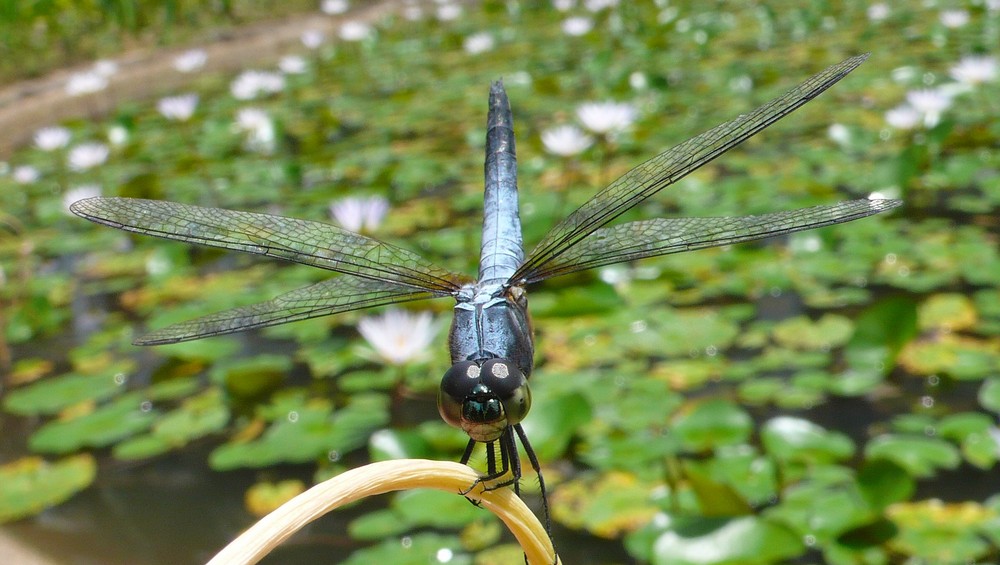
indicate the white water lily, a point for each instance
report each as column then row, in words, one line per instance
column 577, row 25
column 355, row 31
column 86, row 83
column 312, row 38
column 87, row 155
column 448, row 11
column 606, row 117
column 117, row 135
column 190, row 61
column 930, row 103
column 52, row 138
column 974, row 70
column 252, row 84
column 954, row 18
column 360, row 214
column 25, row 174
column 399, row 336
column 292, row 65
column 478, row 43
column 566, row 140
column 179, row 108
column 333, row 7
column 902, row 117
column 259, row 127
column 878, row 12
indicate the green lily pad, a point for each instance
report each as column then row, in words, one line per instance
column 377, row 525
column 989, row 395
column 51, row 395
column 196, row 417
column 824, row 504
column 252, row 377
column 959, row 426
column 716, row 496
column 554, row 421
column 800, row 332
column 795, row 439
column 883, row 482
column 919, row 455
column 605, row 505
column 703, row 541
column 942, row 533
column 172, row 389
column 712, row 423
column 31, row 484
column 418, row 549
column 880, row 333
column 305, row 432
column 108, row 424
column 959, row 356
column 949, row 312
column 434, row 509
column 389, row 444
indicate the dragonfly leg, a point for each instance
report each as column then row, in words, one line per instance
column 509, row 462
column 533, row 459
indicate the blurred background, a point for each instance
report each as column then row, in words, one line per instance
column 828, row 397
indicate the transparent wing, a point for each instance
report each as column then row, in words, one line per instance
column 340, row 294
column 651, row 238
column 302, row 241
column 666, row 168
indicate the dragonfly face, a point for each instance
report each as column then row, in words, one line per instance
column 484, row 398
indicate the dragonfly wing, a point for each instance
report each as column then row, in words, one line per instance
column 662, row 236
column 332, row 296
column 668, row 167
column 311, row 243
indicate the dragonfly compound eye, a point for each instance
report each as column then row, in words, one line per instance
column 458, row 384
column 509, row 385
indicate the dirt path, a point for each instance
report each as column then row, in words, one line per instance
column 27, row 106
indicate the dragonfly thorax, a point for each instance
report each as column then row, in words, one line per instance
column 484, row 397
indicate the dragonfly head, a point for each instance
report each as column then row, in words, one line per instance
column 484, row 397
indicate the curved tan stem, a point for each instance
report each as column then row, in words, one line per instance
column 379, row 478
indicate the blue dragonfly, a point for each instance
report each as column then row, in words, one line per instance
column 485, row 392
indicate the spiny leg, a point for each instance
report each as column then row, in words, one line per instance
column 533, row 459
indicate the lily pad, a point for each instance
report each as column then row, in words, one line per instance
column 606, row 505
column 418, row 549
column 305, row 432
column 196, row 417
column 989, row 395
column 949, row 312
column 712, row 423
column 703, row 541
column 32, row 484
column 104, row 426
column 51, row 395
column 950, row 354
column 435, row 509
column 800, row 332
column 796, row 439
column 942, row 533
column 920, row 456
column 883, row 482
column 263, row 498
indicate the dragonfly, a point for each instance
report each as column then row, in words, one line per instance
column 485, row 392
